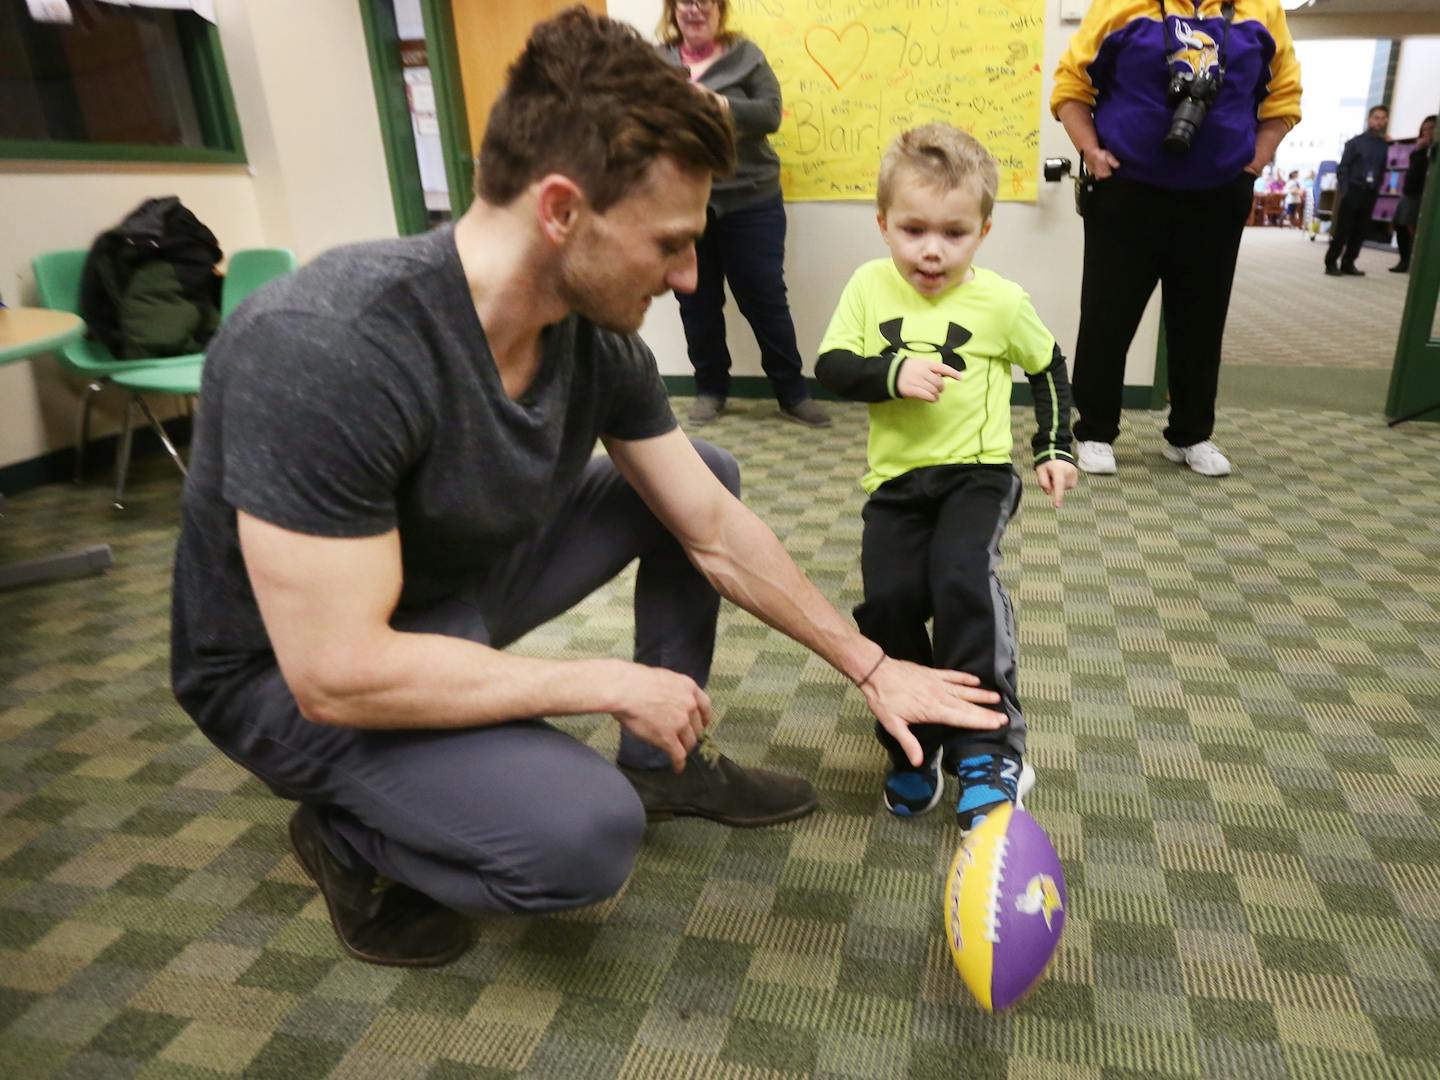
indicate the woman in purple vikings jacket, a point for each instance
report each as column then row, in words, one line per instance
column 1176, row 107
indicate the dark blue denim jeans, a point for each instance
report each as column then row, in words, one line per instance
column 745, row 247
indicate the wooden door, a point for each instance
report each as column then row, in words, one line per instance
column 489, row 34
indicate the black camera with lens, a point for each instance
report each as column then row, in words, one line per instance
column 1191, row 96
column 1191, row 93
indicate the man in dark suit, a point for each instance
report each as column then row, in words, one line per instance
column 1357, row 186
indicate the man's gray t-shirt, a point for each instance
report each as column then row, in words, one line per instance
column 358, row 396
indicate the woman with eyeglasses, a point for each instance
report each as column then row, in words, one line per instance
column 744, row 240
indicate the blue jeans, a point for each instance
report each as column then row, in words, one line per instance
column 745, row 247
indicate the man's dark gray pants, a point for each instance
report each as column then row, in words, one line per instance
column 515, row 817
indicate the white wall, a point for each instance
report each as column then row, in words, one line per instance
column 1417, row 86
column 306, row 101
column 1039, row 245
column 317, row 177
column 1336, row 78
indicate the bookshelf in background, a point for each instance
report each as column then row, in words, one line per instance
column 1382, row 227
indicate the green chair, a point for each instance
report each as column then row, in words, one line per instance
column 57, row 281
column 248, row 269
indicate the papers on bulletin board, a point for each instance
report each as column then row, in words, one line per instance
column 855, row 73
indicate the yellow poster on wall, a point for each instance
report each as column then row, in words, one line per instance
column 855, row 73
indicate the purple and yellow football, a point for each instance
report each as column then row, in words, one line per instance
column 1005, row 906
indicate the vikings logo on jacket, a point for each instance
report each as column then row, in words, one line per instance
column 1119, row 63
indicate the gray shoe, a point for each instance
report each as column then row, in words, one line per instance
column 706, row 409
column 806, row 412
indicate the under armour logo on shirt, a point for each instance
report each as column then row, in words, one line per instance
column 949, row 353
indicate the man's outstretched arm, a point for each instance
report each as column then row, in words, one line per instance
column 327, row 604
column 748, row 565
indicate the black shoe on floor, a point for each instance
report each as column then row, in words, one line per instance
column 1352, row 271
column 377, row 920
column 712, row 786
column 1331, row 271
column 1400, row 268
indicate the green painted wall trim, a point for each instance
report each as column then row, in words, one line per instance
column 382, row 40
column 449, row 103
column 55, row 150
column 210, row 84
column 757, row 386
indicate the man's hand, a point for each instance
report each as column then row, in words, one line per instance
column 1100, row 162
column 664, row 708
column 1056, row 477
column 900, row 693
column 923, row 380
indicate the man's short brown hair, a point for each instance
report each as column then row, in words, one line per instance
column 944, row 156
column 592, row 100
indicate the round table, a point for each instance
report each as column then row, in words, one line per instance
column 27, row 332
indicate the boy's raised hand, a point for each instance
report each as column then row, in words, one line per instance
column 924, row 380
column 1056, row 477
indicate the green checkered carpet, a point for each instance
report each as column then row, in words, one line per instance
column 1235, row 710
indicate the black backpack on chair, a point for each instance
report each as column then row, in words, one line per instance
column 150, row 288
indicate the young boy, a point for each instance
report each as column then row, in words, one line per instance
column 928, row 339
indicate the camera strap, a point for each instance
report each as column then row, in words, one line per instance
column 1227, row 11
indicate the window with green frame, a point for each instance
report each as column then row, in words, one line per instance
column 118, row 84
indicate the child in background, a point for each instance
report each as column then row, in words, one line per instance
column 1294, row 199
column 928, row 339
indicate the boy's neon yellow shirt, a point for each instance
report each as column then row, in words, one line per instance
column 970, row 424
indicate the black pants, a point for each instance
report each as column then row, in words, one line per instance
column 931, row 549
column 1351, row 224
column 1136, row 235
column 1404, row 242
column 747, row 248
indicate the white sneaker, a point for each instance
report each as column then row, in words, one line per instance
column 1204, row 458
column 1097, row 458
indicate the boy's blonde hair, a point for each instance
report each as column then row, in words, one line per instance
column 943, row 155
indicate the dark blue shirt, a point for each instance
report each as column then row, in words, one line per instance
column 1362, row 165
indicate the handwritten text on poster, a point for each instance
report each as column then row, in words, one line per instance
column 855, row 73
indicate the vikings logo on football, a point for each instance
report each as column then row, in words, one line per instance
column 1040, row 897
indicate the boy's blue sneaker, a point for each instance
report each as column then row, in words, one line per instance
column 986, row 781
column 910, row 791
